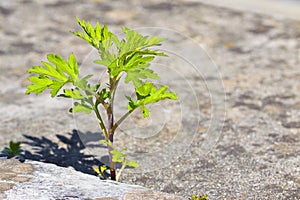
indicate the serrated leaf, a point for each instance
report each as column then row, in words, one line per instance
column 148, row 93
column 61, row 64
column 133, row 57
column 137, row 74
column 39, row 84
column 135, row 41
column 136, row 65
column 145, row 90
column 73, row 65
column 99, row 37
column 55, row 87
column 50, row 71
column 53, row 77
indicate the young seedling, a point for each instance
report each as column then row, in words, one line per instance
column 129, row 57
column 202, row 197
column 100, row 170
column 196, row 197
column 14, row 149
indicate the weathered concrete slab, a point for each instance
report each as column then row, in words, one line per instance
column 37, row 180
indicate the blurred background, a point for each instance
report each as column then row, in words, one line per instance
column 279, row 8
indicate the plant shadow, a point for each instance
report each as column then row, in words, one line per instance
column 45, row 150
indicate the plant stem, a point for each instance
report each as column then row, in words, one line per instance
column 116, row 125
column 110, row 115
column 111, row 139
column 101, row 100
column 121, row 170
column 101, row 123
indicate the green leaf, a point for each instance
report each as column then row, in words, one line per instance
column 133, row 163
column 74, row 66
column 145, row 90
column 137, row 68
column 62, row 65
column 103, row 168
column 55, row 87
column 104, row 93
column 202, row 197
column 118, row 156
column 81, row 108
column 100, row 169
column 50, row 71
column 135, row 41
column 14, row 149
column 99, row 37
column 145, row 111
column 72, row 93
column 82, row 83
column 39, row 84
column 147, row 94
column 53, row 75
column 133, row 104
column 97, row 170
column 133, row 56
column 160, row 94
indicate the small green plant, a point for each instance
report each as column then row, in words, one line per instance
column 129, row 57
column 202, row 197
column 100, row 170
column 13, row 149
column 118, row 157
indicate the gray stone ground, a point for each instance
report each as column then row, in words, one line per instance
column 257, row 152
column 44, row 181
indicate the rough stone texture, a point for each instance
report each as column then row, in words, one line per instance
column 48, row 181
column 149, row 195
column 257, row 154
column 12, row 171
